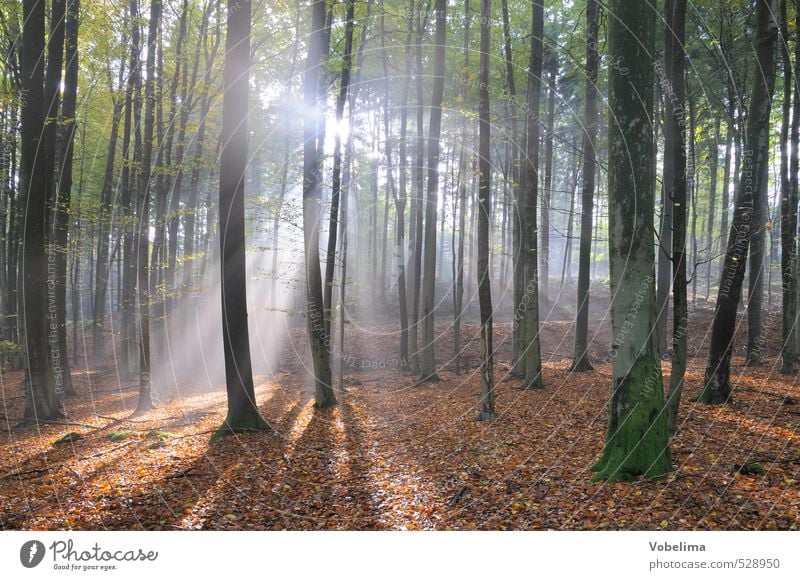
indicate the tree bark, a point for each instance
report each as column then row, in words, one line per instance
column 243, row 414
column 312, row 199
column 428, row 371
column 677, row 192
column 580, row 361
column 487, row 411
column 42, row 402
column 637, row 440
column 531, row 358
column 717, row 388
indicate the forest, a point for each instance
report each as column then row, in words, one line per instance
column 399, row 265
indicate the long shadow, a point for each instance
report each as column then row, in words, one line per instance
column 359, row 490
column 217, row 481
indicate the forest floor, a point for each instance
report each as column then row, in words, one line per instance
column 392, row 455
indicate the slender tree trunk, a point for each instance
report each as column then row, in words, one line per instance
column 417, row 207
column 461, row 200
column 566, row 266
column 677, row 192
column 726, row 182
column 637, row 440
column 143, row 222
column 717, row 388
column 531, row 351
column 790, row 127
column 580, row 362
column 664, row 280
column 312, row 199
column 517, row 219
column 428, row 371
column 400, row 201
column 341, row 100
column 544, row 257
column 64, row 190
column 487, row 411
column 712, row 206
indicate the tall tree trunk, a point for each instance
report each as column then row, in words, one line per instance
column 717, row 388
column 418, row 177
column 243, row 414
column 726, row 183
column 531, row 351
column 566, row 266
column 57, row 269
column 664, row 279
column 789, row 188
column 544, row 256
column 312, row 199
column 42, row 402
column 637, row 440
column 484, row 219
column 341, row 100
column 64, row 192
column 789, row 199
column 461, row 200
column 143, row 222
column 677, row 192
column 712, row 205
column 580, row 361
column 517, row 261
column 400, row 201
column 428, row 371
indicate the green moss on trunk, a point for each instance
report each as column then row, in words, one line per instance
column 637, row 442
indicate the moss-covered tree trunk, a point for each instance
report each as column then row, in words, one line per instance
column 755, row 156
column 637, row 441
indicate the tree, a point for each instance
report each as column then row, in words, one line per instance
column 755, row 157
column 580, row 362
column 42, row 402
column 788, row 211
column 57, row 217
column 637, row 441
column 64, row 192
column 341, row 100
column 143, row 217
column 485, row 203
column 312, row 198
column 531, row 357
column 676, row 191
column 243, row 414
column 427, row 369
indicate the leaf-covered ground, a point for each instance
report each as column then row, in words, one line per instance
column 396, row 456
